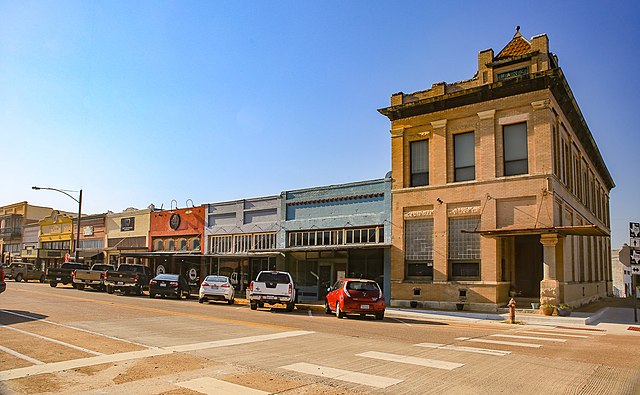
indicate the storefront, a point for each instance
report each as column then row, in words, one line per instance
column 175, row 242
column 92, row 238
column 336, row 232
column 241, row 239
column 55, row 240
column 128, row 232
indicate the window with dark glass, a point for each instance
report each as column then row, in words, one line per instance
column 464, row 249
column 514, row 139
column 419, row 163
column 418, row 236
column 464, row 156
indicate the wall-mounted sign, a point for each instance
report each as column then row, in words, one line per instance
column 127, row 224
column 634, row 234
column 418, row 214
column 87, row 230
column 512, row 73
column 174, row 221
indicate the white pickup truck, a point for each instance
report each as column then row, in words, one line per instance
column 93, row 277
column 272, row 287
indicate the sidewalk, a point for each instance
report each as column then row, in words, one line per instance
column 612, row 314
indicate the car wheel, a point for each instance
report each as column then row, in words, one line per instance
column 74, row 285
column 80, row 287
column 254, row 306
column 42, row 278
column 339, row 313
column 260, row 304
column 179, row 295
column 327, row 308
column 152, row 296
column 53, row 284
column 230, row 301
column 19, row 278
column 290, row 306
column 379, row 316
column 201, row 300
column 110, row 289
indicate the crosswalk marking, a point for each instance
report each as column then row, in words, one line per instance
column 554, row 334
column 578, row 330
column 343, row 375
column 431, row 363
column 546, row 339
column 517, row 344
column 211, row 386
column 52, row 340
column 236, row 341
column 21, row 356
column 486, row 351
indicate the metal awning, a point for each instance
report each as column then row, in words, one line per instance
column 90, row 254
column 574, row 230
column 334, row 247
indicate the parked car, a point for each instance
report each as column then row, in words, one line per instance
column 19, row 271
column 169, row 284
column 128, row 278
column 217, row 288
column 3, row 285
column 93, row 277
column 272, row 287
column 62, row 274
column 355, row 296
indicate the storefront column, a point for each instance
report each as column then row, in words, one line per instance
column 549, row 286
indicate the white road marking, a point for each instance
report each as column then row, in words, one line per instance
column 431, row 363
column 211, row 386
column 546, row 339
column 52, row 340
column 554, row 334
column 21, row 356
column 236, row 341
column 578, row 330
column 72, row 327
column 486, row 351
column 343, row 375
column 530, row 345
column 78, row 363
column 400, row 321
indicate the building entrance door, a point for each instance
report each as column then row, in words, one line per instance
column 528, row 273
column 325, row 279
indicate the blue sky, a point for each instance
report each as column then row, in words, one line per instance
column 145, row 102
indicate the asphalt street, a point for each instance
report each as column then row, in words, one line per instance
column 65, row 341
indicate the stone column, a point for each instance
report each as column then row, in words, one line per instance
column 549, row 286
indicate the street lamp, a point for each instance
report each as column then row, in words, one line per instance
column 79, row 201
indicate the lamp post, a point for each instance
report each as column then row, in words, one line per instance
column 79, row 201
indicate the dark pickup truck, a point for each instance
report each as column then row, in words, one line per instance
column 128, row 279
column 62, row 274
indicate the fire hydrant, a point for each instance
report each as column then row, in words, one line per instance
column 512, row 311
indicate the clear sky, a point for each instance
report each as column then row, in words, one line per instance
column 141, row 102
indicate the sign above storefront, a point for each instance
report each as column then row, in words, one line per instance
column 127, row 224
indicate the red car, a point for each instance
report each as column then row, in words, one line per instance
column 357, row 296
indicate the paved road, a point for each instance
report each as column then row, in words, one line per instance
column 65, row 341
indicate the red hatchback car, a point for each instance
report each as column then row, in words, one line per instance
column 354, row 295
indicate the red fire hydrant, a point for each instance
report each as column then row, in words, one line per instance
column 512, row 311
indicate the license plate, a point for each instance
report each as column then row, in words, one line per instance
column 271, row 297
column 163, row 285
column 87, row 281
column 58, row 278
column 364, row 306
column 120, row 283
column 214, row 287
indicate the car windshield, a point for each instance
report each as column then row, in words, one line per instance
column 217, row 279
column 131, row 268
column 362, row 286
column 102, row 267
column 73, row 266
column 270, row 277
column 167, row 277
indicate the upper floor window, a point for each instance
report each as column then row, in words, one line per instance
column 419, row 163
column 514, row 138
column 464, row 156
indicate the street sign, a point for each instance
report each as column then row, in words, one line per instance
column 635, row 269
column 634, row 234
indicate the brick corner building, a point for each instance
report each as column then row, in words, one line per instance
column 498, row 188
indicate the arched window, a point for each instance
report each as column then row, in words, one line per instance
column 171, row 245
column 183, row 244
column 195, row 244
column 159, row 245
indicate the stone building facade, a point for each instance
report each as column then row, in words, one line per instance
column 499, row 189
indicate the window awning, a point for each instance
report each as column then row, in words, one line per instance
column 573, row 230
